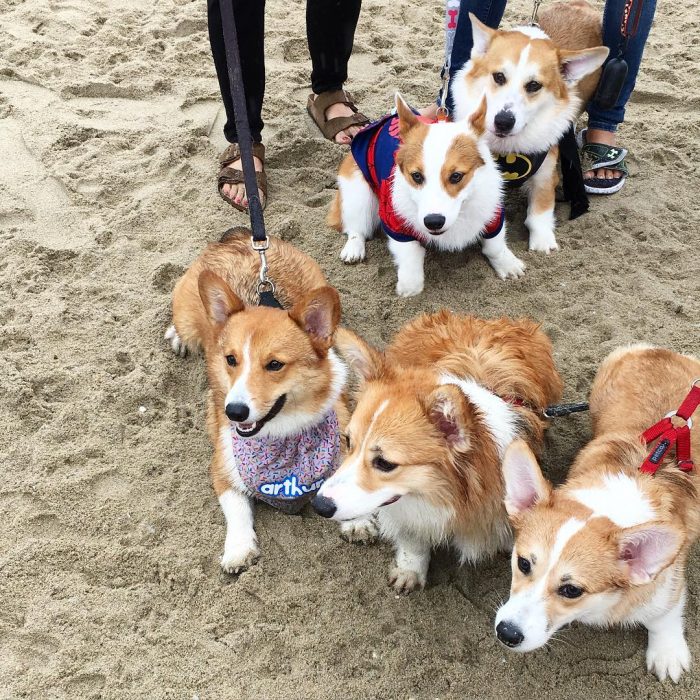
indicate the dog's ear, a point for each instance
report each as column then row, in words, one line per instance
column 576, row 65
column 477, row 121
column 481, row 34
column 523, row 479
column 647, row 549
column 218, row 298
column 366, row 361
column 407, row 119
column 318, row 315
column 447, row 410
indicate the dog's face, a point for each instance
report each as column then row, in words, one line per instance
column 578, row 554
column 272, row 367
column 529, row 84
column 437, row 164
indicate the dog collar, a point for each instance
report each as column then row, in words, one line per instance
column 286, row 472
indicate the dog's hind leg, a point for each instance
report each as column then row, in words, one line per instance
column 540, row 209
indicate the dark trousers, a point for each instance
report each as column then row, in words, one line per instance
column 330, row 30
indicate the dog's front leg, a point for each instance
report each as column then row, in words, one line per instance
column 412, row 559
column 540, row 209
column 408, row 257
column 502, row 259
column 241, row 545
column 667, row 650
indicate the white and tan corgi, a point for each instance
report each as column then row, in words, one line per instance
column 610, row 545
column 276, row 407
column 536, row 81
column 434, row 416
column 427, row 185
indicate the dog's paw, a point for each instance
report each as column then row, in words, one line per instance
column 507, row 265
column 543, row 241
column 668, row 658
column 354, row 250
column 178, row 347
column 238, row 558
column 409, row 288
column 405, row 580
column 360, row 531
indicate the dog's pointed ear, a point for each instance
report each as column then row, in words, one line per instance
column 481, row 34
column 318, row 315
column 576, row 65
column 218, row 298
column 477, row 121
column 407, row 119
column 646, row 550
column 367, row 362
column 524, row 482
column 447, row 410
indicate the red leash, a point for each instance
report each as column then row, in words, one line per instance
column 669, row 434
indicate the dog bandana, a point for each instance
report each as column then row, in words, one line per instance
column 287, row 472
column 374, row 150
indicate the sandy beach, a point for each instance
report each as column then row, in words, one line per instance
column 110, row 533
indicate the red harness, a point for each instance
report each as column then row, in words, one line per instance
column 669, row 434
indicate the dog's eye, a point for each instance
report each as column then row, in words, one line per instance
column 383, row 465
column 456, row 178
column 499, row 78
column 568, row 590
column 274, row 365
column 417, row 177
column 524, row 565
column 231, row 360
column 533, row 86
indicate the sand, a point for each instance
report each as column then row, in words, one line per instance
column 109, row 531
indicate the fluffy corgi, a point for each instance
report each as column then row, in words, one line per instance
column 610, row 545
column 275, row 406
column 427, row 185
column 533, row 81
column 435, row 414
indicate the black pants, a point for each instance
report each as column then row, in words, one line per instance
column 330, row 30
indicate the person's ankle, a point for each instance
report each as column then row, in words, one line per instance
column 593, row 135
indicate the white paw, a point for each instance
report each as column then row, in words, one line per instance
column 543, row 241
column 239, row 556
column 360, row 531
column 178, row 347
column 405, row 580
column 354, row 250
column 410, row 287
column 507, row 265
column 668, row 657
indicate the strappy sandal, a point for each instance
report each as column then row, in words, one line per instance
column 234, row 176
column 330, row 128
column 595, row 156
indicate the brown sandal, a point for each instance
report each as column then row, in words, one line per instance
column 234, row 176
column 330, row 128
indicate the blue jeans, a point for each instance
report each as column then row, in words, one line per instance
column 490, row 12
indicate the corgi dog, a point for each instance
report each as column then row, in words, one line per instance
column 427, row 184
column 610, row 545
column 435, row 414
column 276, row 406
column 534, row 82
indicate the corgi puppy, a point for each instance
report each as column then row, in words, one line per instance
column 276, row 407
column 435, row 415
column 427, row 185
column 533, row 82
column 610, row 545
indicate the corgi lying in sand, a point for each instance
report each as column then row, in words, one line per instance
column 610, row 545
column 276, row 407
column 427, row 185
column 434, row 416
column 536, row 81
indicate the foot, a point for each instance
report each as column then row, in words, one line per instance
column 608, row 138
column 236, row 193
column 668, row 657
column 342, row 110
column 178, row 347
column 507, row 265
column 360, row 531
column 404, row 581
column 239, row 556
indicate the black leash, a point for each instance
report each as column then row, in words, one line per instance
column 259, row 240
column 559, row 410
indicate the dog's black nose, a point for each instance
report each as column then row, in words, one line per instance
column 509, row 634
column 504, row 121
column 434, row 222
column 237, row 412
column 325, row 507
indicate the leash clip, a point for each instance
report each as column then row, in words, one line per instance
column 674, row 414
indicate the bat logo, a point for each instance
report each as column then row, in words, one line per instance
column 514, row 166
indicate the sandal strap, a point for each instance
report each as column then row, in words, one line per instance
column 233, row 153
column 330, row 128
column 595, row 156
column 334, row 97
column 233, row 176
column 334, row 126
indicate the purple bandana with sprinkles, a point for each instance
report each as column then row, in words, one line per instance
column 286, row 472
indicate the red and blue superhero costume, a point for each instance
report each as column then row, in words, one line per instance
column 374, row 150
